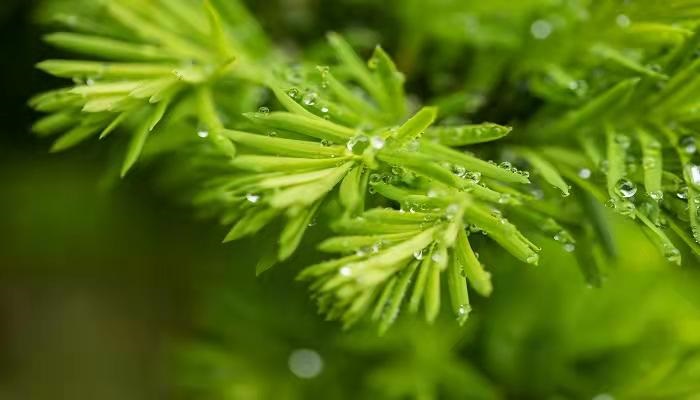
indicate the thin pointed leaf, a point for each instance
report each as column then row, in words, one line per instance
column 459, row 295
column 464, row 135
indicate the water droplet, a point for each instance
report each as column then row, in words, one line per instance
column 272, row 134
column 413, row 145
column 623, row 141
column 253, row 198
column 418, row 255
column 623, row 21
column 203, row 133
column 375, row 178
column 584, row 173
column 263, row 111
column 656, row 195
column 569, row 247
column 505, row 165
column 358, row 144
column 688, row 144
column 463, row 310
column 310, row 98
column 326, row 143
column 305, row 363
column 672, row 254
column 625, row 188
column 541, row 29
column 324, row 109
column 293, row 93
column 313, row 222
column 692, row 172
column 473, row 176
column 451, row 211
column 346, row 271
column 533, row 259
column 459, row 170
column 436, row 257
column 377, row 142
column 682, row 193
column 603, row 396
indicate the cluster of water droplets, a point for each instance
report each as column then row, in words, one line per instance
column 508, row 166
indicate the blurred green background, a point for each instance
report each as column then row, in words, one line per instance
column 108, row 290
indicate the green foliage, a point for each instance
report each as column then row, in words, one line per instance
column 404, row 187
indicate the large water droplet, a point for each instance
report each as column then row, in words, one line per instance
column 203, row 133
column 623, row 21
column 541, row 29
column 253, row 198
column 310, row 98
column 358, row 144
column 688, row 144
column 418, row 255
column 305, row 363
column 263, row 111
column 377, row 142
column 692, row 172
column 584, row 173
column 625, row 188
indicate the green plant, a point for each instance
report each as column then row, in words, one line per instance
column 337, row 141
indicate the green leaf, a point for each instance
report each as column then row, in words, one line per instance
column 432, row 293
column 652, row 163
column 472, row 163
column 548, row 172
column 356, row 67
column 256, row 163
column 473, row 270
column 464, row 135
column 391, row 310
column 103, row 47
column 254, row 220
column 304, row 195
column 593, row 111
column 352, row 191
column 391, row 80
column 415, row 126
column 218, row 34
column 70, row 69
column 613, row 55
column 421, row 282
column 54, row 123
column 138, row 140
column 294, row 230
column 304, row 125
column 281, row 146
column 459, row 294
column 75, row 136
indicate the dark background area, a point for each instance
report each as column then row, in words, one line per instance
column 90, row 276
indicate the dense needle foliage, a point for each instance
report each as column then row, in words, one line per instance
column 500, row 123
